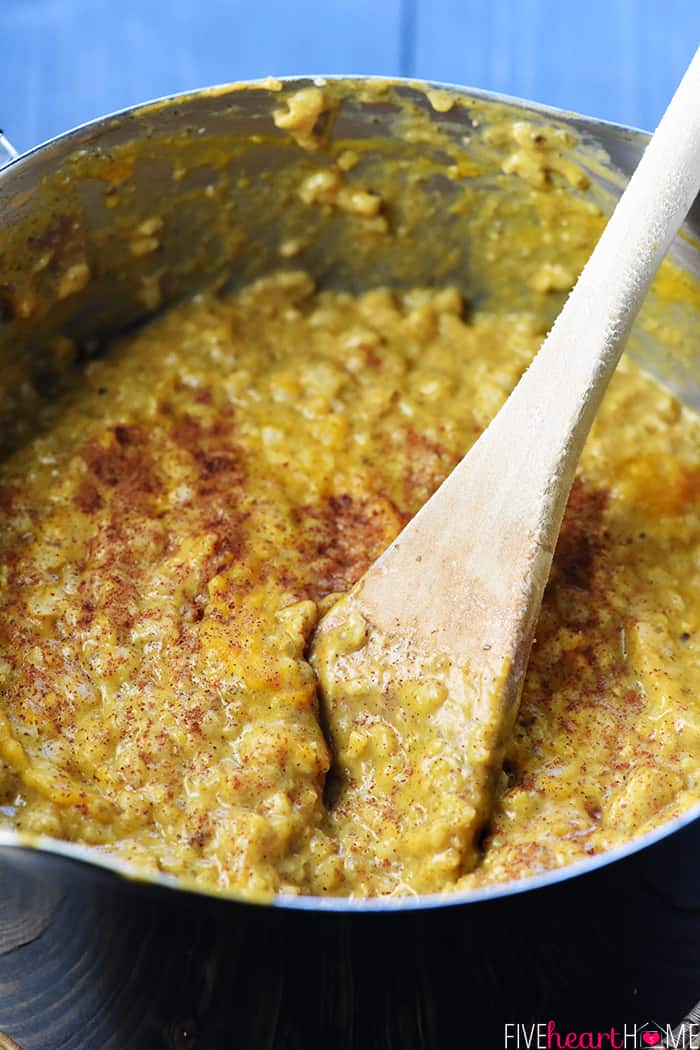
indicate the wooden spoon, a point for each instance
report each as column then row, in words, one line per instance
column 421, row 665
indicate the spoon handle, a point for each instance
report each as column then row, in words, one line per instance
column 488, row 534
column 562, row 389
column 555, row 402
column 509, row 492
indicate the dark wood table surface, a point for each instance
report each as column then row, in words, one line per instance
column 90, row 963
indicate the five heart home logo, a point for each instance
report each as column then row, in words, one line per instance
column 650, row 1034
column 548, row 1036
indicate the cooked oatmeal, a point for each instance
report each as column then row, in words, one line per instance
column 171, row 538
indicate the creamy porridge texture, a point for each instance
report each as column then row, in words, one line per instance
column 187, row 511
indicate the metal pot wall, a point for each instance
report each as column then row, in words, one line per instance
column 117, row 962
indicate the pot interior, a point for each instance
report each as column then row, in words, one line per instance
column 109, row 224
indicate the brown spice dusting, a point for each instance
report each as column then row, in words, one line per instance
column 429, row 463
column 218, row 486
column 87, row 498
column 124, row 464
column 581, row 538
column 214, row 452
column 149, row 601
column 344, row 535
column 8, row 498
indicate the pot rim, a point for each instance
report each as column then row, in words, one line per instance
column 290, row 80
column 87, row 855
column 125, row 871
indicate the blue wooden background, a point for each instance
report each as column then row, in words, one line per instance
column 66, row 61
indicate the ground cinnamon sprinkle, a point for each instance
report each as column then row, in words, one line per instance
column 165, row 551
column 428, row 464
column 582, row 538
column 342, row 536
column 123, row 464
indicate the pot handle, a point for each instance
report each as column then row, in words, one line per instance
column 7, row 151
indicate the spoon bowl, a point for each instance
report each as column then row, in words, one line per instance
column 435, row 637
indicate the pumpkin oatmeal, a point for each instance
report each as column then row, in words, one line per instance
column 170, row 540
column 175, row 519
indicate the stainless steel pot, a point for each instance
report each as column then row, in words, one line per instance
column 81, row 953
column 57, row 201
column 215, row 163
